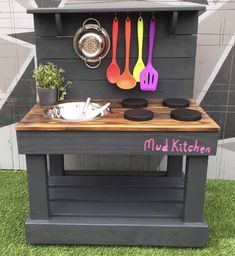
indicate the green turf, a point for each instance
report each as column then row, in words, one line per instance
column 220, row 214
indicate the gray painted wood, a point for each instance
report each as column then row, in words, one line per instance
column 174, row 166
column 142, row 163
column 125, row 143
column 120, row 6
column 116, row 209
column 56, row 165
column 97, row 89
column 117, row 231
column 98, row 194
column 166, row 46
column 45, row 23
column 195, row 183
column 140, row 179
column 168, row 68
column 38, row 186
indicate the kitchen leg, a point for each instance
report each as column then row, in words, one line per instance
column 38, row 186
column 195, row 183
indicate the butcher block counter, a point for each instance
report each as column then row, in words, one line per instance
column 35, row 120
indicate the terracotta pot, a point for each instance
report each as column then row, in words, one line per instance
column 47, row 96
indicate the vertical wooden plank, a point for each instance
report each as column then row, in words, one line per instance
column 195, row 182
column 87, row 162
column 70, row 162
column 114, row 162
column 154, row 163
column 84, row 162
column 174, row 166
column 56, row 163
column 139, row 162
column 38, row 186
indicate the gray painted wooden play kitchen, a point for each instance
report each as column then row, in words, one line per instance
column 131, row 64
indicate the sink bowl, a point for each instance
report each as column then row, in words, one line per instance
column 73, row 111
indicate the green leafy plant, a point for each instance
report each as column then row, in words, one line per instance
column 50, row 76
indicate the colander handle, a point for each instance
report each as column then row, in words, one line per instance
column 95, row 66
column 90, row 19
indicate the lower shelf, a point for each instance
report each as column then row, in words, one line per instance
column 116, row 196
column 116, row 210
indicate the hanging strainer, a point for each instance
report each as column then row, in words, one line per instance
column 91, row 43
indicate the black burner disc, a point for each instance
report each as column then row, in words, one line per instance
column 186, row 115
column 138, row 115
column 175, row 103
column 134, row 103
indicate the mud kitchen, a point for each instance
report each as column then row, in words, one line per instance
column 131, row 66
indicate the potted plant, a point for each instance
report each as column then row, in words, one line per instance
column 51, row 83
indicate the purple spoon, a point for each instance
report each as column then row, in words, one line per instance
column 149, row 75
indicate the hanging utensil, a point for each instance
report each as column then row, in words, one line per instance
column 91, row 43
column 139, row 66
column 149, row 76
column 126, row 80
column 113, row 71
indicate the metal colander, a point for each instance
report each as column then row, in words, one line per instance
column 91, row 45
column 91, row 42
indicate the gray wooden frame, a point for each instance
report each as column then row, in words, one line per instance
column 55, row 142
column 124, row 208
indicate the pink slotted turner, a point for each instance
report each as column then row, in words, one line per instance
column 149, row 75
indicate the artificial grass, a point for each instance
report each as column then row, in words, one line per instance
column 220, row 215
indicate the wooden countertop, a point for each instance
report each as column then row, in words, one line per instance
column 36, row 121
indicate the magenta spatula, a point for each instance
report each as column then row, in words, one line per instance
column 149, row 75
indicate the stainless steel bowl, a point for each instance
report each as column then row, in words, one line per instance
column 73, row 111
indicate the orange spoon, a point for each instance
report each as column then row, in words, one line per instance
column 113, row 71
column 126, row 80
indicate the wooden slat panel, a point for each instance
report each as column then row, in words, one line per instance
column 118, row 162
column 147, row 179
column 133, row 209
column 115, row 142
column 81, row 162
column 168, row 68
column 45, row 23
column 97, row 89
column 165, row 46
column 116, row 194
